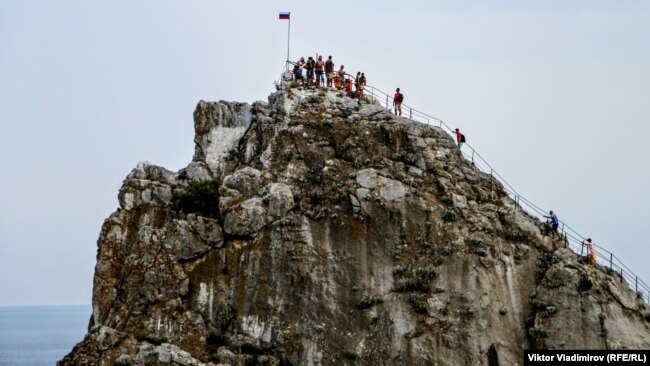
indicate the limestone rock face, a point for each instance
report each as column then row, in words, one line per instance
column 219, row 127
column 246, row 218
column 585, row 298
column 280, row 199
column 344, row 236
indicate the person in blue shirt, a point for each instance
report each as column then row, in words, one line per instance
column 555, row 223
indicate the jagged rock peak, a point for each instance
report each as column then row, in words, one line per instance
column 314, row 229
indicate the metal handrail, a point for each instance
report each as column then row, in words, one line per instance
column 571, row 238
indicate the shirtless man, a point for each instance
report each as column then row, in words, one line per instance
column 320, row 68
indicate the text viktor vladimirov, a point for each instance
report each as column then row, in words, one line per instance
column 586, row 357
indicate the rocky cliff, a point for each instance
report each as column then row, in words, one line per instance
column 316, row 230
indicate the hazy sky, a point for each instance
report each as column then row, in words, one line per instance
column 555, row 94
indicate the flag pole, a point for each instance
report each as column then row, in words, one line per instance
column 288, row 38
column 287, row 16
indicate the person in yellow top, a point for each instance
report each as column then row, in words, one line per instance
column 591, row 251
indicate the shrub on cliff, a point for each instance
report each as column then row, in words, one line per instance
column 200, row 197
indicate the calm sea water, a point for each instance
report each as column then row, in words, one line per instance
column 40, row 335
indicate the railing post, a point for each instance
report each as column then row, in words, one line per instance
column 621, row 275
column 610, row 261
column 386, row 101
column 472, row 155
column 410, row 113
column 516, row 201
column 636, row 284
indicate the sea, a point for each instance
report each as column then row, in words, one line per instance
column 40, row 335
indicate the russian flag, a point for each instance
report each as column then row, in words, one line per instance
column 284, row 15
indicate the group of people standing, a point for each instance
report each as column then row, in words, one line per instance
column 317, row 72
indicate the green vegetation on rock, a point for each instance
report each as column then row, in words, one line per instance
column 200, row 197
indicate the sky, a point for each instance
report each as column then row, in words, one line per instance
column 553, row 94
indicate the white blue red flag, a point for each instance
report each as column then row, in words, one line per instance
column 284, row 15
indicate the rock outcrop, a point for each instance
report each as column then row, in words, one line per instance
column 343, row 236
